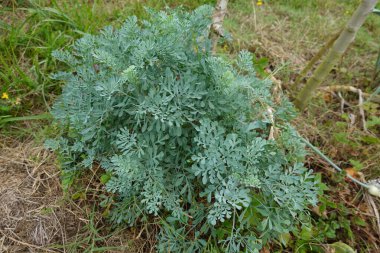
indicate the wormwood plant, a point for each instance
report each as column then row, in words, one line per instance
column 183, row 134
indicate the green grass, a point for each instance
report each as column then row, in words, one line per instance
column 31, row 30
column 94, row 237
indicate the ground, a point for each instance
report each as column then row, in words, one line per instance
column 37, row 215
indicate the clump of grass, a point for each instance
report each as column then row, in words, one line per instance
column 28, row 36
column 31, row 30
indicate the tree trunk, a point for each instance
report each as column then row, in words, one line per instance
column 218, row 17
column 217, row 21
column 341, row 44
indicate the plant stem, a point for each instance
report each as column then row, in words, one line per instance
column 377, row 68
column 340, row 45
column 316, row 57
column 316, row 150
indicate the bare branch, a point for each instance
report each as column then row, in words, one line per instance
column 370, row 97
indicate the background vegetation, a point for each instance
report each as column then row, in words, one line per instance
column 283, row 35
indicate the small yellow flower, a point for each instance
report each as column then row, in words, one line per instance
column 259, row 3
column 4, row 96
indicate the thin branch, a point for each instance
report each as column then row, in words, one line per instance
column 361, row 94
column 361, row 109
column 271, row 119
column 342, row 102
column 369, row 97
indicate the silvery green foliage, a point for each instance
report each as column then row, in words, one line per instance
column 183, row 133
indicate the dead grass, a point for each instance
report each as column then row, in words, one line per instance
column 34, row 215
column 290, row 37
column 273, row 32
column 29, row 186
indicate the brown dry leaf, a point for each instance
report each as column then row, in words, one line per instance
column 352, row 172
column 265, row 250
column 327, row 97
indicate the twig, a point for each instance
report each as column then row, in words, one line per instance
column 361, row 109
column 342, row 102
column 140, row 233
column 271, row 118
column 355, row 90
column 370, row 97
column 25, row 243
column 276, row 92
column 352, row 118
column 277, row 87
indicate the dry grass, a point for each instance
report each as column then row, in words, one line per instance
column 30, row 212
column 34, row 215
column 272, row 33
column 290, row 37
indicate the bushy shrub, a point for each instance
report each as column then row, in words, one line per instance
column 183, row 134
